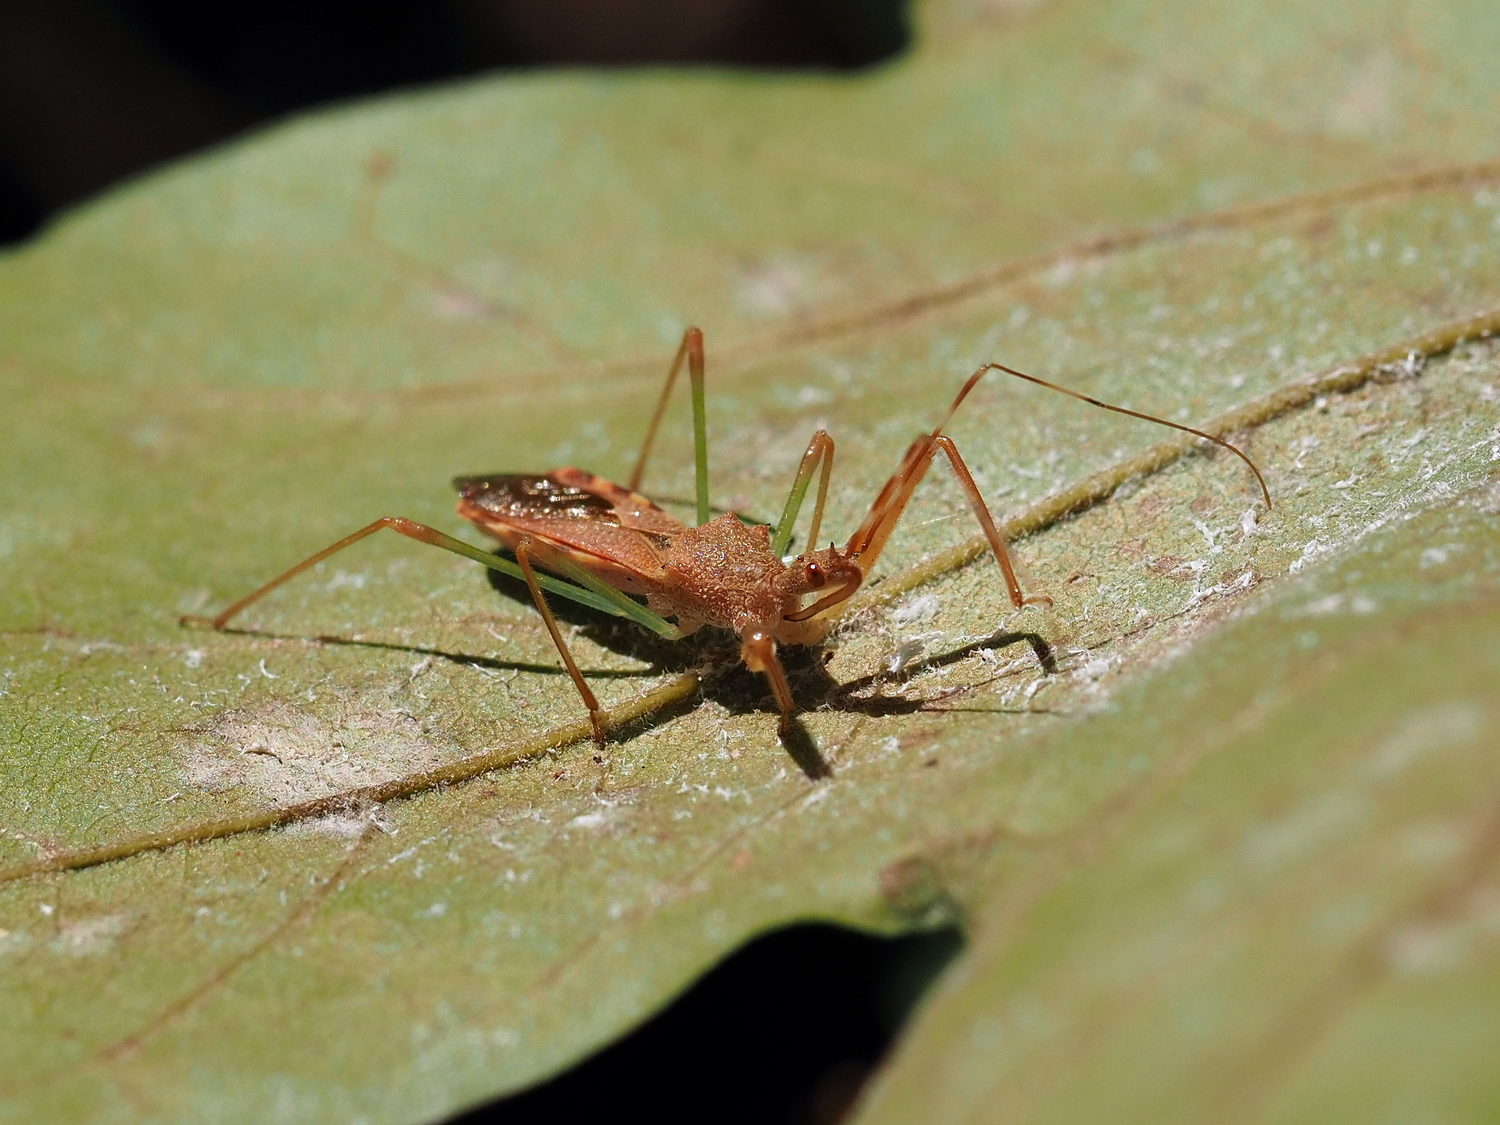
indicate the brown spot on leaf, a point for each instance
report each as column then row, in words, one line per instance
column 913, row 887
column 1170, row 566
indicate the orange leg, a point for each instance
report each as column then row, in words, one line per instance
column 596, row 717
column 869, row 538
column 520, row 568
column 758, row 651
column 410, row 528
column 890, row 505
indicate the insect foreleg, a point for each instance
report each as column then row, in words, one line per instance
column 987, row 523
column 869, row 538
column 891, row 504
column 691, row 350
column 424, row 534
column 819, row 451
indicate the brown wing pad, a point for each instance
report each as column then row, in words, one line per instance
column 510, row 496
column 610, row 531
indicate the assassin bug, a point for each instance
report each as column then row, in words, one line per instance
column 606, row 546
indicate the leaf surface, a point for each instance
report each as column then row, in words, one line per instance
column 1247, row 820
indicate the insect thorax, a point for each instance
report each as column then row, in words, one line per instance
column 723, row 573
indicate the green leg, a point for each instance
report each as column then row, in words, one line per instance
column 691, row 351
column 819, row 450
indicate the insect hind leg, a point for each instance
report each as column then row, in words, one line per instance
column 403, row 526
column 589, row 591
column 521, row 568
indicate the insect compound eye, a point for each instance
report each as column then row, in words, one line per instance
column 815, row 576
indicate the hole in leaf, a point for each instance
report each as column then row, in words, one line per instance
column 787, row 1029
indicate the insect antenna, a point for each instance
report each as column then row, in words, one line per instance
column 869, row 539
column 973, row 379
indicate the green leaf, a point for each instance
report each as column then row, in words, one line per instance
column 1246, row 825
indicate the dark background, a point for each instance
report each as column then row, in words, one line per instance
column 92, row 91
